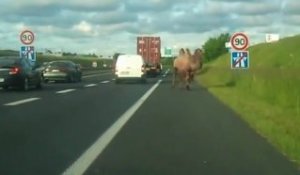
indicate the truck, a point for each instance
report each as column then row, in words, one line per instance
column 149, row 48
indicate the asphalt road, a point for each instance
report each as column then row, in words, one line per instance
column 99, row 127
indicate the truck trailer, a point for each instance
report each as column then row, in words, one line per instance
column 149, row 48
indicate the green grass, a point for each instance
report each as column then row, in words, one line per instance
column 267, row 95
column 167, row 63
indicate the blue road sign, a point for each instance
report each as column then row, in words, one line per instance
column 28, row 53
column 240, row 60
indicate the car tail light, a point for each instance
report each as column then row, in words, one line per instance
column 14, row 71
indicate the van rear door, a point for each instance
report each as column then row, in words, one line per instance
column 130, row 66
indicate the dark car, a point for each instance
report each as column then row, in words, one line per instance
column 153, row 69
column 18, row 72
column 62, row 71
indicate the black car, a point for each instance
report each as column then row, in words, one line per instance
column 62, row 70
column 18, row 72
column 153, row 69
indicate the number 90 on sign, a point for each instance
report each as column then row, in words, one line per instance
column 239, row 41
column 27, row 37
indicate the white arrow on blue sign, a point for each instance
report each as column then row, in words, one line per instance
column 28, row 53
column 240, row 60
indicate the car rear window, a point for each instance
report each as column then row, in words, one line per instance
column 59, row 64
column 129, row 60
column 7, row 62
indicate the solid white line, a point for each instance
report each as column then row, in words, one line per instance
column 103, row 82
column 90, row 85
column 21, row 102
column 65, row 91
column 87, row 158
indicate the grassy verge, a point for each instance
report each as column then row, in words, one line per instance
column 167, row 63
column 267, row 95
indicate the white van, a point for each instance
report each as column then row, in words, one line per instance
column 130, row 67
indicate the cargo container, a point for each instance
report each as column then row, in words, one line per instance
column 149, row 48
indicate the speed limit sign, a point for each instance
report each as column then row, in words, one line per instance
column 27, row 37
column 239, row 41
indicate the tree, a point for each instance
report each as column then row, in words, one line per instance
column 116, row 55
column 214, row 47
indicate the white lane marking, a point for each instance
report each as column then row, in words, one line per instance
column 87, row 158
column 90, row 85
column 166, row 73
column 113, row 79
column 103, row 82
column 95, row 75
column 21, row 101
column 65, row 91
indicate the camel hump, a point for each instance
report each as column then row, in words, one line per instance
column 188, row 51
column 181, row 51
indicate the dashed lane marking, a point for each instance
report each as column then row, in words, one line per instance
column 65, row 91
column 90, row 85
column 104, row 82
column 19, row 102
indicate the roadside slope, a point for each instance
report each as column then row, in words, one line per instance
column 267, row 95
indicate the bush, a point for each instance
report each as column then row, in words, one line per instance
column 215, row 47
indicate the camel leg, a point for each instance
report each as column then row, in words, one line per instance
column 187, row 80
column 174, row 77
column 190, row 76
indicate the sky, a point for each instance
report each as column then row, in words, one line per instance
column 109, row 26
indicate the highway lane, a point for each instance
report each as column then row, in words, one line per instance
column 173, row 132
column 45, row 136
column 88, row 79
column 180, row 132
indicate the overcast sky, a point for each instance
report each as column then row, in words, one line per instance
column 108, row 26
